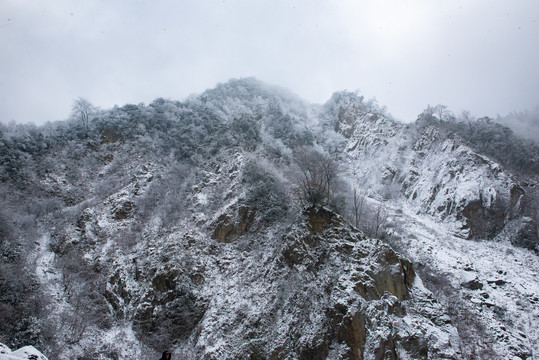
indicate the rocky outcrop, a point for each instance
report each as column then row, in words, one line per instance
column 451, row 181
column 527, row 234
column 227, row 227
column 169, row 310
column 123, row 210
column 350, row 288
column 439, row 175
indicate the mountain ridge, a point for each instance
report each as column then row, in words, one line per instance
column 164, row 225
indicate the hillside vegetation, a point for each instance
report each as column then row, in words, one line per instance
column 244, row 223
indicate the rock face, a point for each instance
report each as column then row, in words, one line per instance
column 527, row 235
column 341, row 311
column 440, row 176
column 321, row 290
column 226, row 229
column 450, row 180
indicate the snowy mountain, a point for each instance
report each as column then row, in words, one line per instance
column 244, row 223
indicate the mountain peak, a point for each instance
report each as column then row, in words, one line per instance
column 248, row 223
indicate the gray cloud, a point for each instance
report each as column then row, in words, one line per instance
column 478, row 55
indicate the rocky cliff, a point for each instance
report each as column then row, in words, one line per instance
column 439, row 175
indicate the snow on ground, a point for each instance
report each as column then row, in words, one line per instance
column 45, row 263
column 24, row 353
column 498, row 281
column 4, row 349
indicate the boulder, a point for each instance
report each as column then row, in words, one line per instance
column 527, row 235
column 473, row 284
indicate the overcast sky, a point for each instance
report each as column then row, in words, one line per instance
column 479, row 55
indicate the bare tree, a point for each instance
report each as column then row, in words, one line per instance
column 318, row 177
column 430, row 110
column 468, row 118
column 379, row 221
column 311, row 179
column 375, row 221
column 441, row 111
column 359, row 198
column 330, row 172
column 82, row 109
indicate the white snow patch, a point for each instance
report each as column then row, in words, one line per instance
column 24, row 353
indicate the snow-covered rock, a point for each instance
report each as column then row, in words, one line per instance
column 440, row 176
column 4, row 349
column 25, row 353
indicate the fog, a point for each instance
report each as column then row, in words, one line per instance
column 476, row 55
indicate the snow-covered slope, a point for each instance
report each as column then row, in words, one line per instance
column 439, row 176
column 184, row 226
column 491, row 285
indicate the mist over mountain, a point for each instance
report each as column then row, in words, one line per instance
column 246, row 223
column 523, row 123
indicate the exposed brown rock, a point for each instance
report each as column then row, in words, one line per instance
column 227, row 227
column 321, row 219
column 352, row 333
column 123, row 211
column 109, row 136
